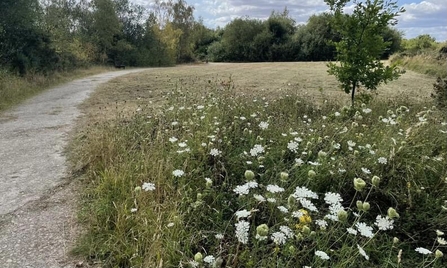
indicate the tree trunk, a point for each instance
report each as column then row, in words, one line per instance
column 352, row 93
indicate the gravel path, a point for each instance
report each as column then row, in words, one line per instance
column 37, row 198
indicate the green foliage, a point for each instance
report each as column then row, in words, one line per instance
column 362, row 45
column 213, row 137
column 419, row 43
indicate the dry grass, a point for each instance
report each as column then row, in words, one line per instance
column 307, row 79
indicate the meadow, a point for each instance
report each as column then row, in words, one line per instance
column 261, row 165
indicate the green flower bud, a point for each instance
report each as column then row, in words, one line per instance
column 249, row 175
column 375, row 181
column 392, row 213
column 322, row 154
column 291, row 201
column 199, row 196
column 366, row 206
column 198, row 257
column 291, row 249
column 262, row 230
column 438, row 254
column 313, row 234
column 396, row 240
column 305, row 230
column 342, row 215
column 356, row 153
column 359, row 205
column 311, row 174
column 218, row 262
column 359, row 184
column 284, row 176
column 137, row 189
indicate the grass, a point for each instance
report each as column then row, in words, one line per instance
column 429, row 62
column 261, row 169
column 15, row 89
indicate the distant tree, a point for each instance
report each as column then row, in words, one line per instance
column 362, row 45
column 24, row 45
column 421, row 42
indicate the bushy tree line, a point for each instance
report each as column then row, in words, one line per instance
column 279, row 38
column 44, row 36
column 48, row 35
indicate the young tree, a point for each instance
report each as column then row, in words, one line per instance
column 362, row 44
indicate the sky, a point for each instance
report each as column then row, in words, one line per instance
column 421, row 17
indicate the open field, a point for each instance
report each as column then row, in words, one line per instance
column 306, row 79
column 261, row 165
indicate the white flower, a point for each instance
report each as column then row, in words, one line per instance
column 182, row 144
column 257, row 149
column 271, row 200
column 321, row 223
column 362, row 252
column 279, row 238
column 303, row 192
column 337, row 114
column 351, row 231
column 366, row 171
column 367, row 110
column 251, row 184
column 200, row 107
column 441, row 241
column 241, row 189
column 322, row 255
column 215, row 152
column 242, row 228
column 148, row 186
column 298, row 161
column 178, row 173
column 193, row 263
column 332, row 198
column 263, row 125
column 286, row 230
column 209, row 259
column 292, row 146
column 382, row 160
column 364, row 229
column 169, row 225
column 336, row 146
column 174, row 123
column 242, row 214
column 308, row 204
column 219, row 236
column 173, row 139
column 384, row 223
column 423, row 251
column 259, row 197
column 283, row 209
column 351, row 143
column 273, row 188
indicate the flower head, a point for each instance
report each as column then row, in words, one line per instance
column 322, row 255
column 148, row 186
column 242, row 228
column 178, row 173
column 423, row 251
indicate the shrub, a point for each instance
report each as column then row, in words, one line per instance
column 440, row 93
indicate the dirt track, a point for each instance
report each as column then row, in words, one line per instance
column 37, row 211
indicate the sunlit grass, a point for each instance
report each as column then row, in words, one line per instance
column 216, row 178
column 15, row 89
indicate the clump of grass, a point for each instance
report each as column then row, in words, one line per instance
column 219, row 179
column 15, row 89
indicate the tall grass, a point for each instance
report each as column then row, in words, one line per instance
column 428, row 62
column 218, row 180
column 15, row 89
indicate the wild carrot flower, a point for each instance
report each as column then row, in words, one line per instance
column 362, row 252
column 242, row 228
column 215, row 152
column 364, row 229
column 178, row 173
column 263, row 125
column 384, row 223
column 148, row 186
column 273, row 188
column 423, row 251
column 279, row 238
column 322, row 255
